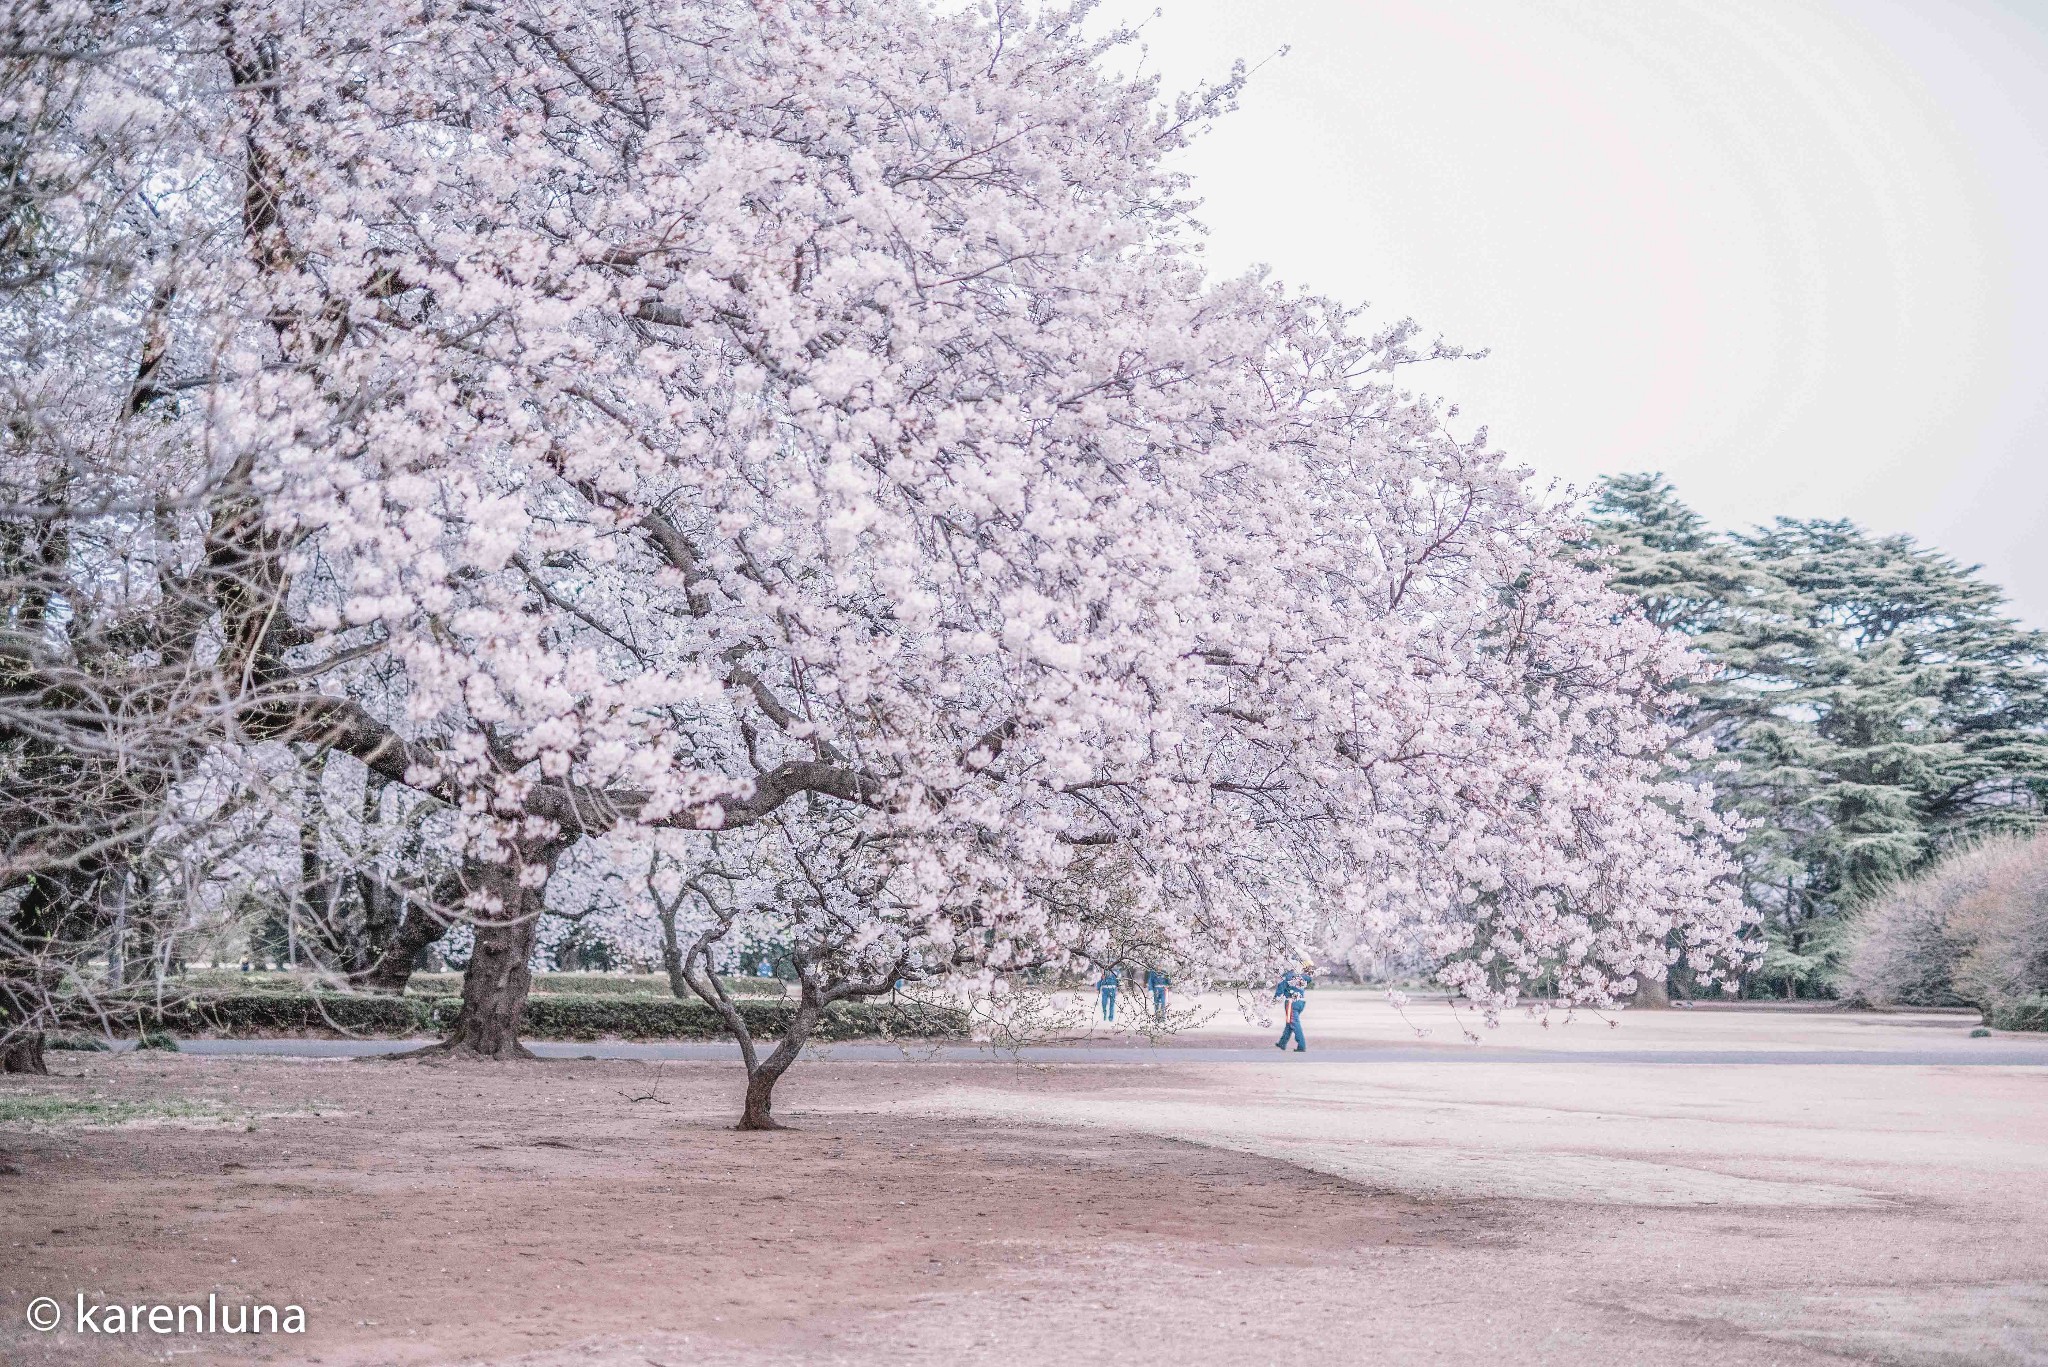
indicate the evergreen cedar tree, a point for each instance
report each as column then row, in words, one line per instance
column 1872, row 706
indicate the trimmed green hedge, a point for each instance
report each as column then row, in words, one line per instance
column 653, row 985
column 266, row 1012
column 559, row 1016
column 431, row 985
column 2026, row 1013
column 564, row 1016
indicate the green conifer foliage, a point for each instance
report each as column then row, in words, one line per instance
column 1872, row 705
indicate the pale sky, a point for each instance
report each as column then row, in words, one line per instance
column 1794, row 253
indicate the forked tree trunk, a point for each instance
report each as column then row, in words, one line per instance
column 393, row 969
column 25, row 1055
column 699, row 974
column 759, row 1112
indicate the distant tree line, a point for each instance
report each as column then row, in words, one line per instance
column 1871, row 707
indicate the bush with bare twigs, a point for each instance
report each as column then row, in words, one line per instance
column 1972, row 930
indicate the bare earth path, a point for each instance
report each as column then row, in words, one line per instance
column 1596, row 1209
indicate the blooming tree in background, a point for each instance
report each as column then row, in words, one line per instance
column 805, row 438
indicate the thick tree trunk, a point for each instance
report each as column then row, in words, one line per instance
column 24, row 986
column 758, row 1113
column 495, row 984
column 25, row 1055
column 494, row 988
column 368, row 941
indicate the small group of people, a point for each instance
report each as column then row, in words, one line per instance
column 1291, row 992
column 1156, row 983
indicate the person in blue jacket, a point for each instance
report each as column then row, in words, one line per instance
column 1105, row 988
column 1292, row 994
column 1156, row 983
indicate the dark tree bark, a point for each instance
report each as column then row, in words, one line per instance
column 25, row 1055
column 495, row 984
column 384, row 909
column 393, row 967
column 27, row 985
column 317, row 899
column 758, row 1112
column 671, row 952
column 494, row 989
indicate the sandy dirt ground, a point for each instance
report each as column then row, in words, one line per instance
column 1554, row 1210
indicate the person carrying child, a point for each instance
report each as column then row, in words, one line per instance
column 1292, row 994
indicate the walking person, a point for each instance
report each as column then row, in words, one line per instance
column 1157, row 983
column 1292, row 993
column 1105, row 988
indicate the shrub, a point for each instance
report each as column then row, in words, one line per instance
column 83, row 1044
column 592, row 984
column 563, row 1016
column 267, row 1012
column 2027, row 1013
column 1972, row 930
column 2006, row 930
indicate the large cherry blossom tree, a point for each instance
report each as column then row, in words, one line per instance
column 811, row 432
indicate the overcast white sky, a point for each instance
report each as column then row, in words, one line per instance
column 1794, row 253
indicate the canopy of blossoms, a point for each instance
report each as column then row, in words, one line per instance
column 804, row 439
